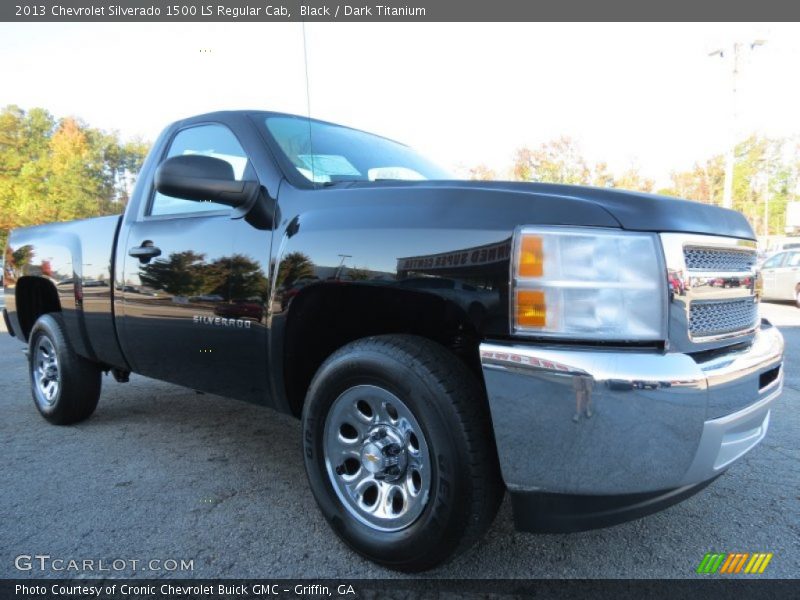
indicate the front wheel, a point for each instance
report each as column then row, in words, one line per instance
column 65, row 385
column 399, row 451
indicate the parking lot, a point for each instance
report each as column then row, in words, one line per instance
column 162, row 473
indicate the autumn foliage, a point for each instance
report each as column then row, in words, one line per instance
column 61, row 169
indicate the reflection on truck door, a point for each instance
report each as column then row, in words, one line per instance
column 182, row 323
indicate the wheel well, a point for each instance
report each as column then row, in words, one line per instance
column 324, row 318
column 34, row 297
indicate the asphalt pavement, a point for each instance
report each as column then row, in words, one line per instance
column 161, row 473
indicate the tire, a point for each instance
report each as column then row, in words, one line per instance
column 424, row 403
column 65, row 386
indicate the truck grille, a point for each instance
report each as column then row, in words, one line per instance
column 718, row 259
column 720, row 317
column 712, row 285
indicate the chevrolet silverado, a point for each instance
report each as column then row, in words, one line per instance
column 596, row 353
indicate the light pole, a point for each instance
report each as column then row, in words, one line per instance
column 730, row 158
column 341, row 265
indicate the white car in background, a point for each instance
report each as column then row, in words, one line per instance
column 782, row 246
column 781, row 277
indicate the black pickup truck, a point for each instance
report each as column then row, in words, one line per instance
column 596, row 353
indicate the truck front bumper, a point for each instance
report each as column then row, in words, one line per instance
column 622, row 433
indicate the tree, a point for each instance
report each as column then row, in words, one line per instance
column 632, row 179
column 17, row 262
column 24, row 150
column 181, row 274
column 54, row 170
column 765, row 170
column 482, row 173
column 74, row 190
column 556, row 161
column 294, row 266
column 703, row 183
column 601, row 176
column 241, row 278
column 358, row 273
column 784, row 183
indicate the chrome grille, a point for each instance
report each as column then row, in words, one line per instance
column 710, row 318
column 712, row 295
column 718, row 259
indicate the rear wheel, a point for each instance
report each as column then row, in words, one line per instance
column 65, row 386
column 399, row 451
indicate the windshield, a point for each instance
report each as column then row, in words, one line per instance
column 327, row 153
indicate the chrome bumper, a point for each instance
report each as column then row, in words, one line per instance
column 593, row 422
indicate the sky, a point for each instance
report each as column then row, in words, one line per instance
column 463, row 94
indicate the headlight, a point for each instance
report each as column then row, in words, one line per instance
column 587, row 283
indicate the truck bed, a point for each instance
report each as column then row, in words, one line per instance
column 77, row 259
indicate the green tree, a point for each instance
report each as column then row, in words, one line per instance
column 294, row 266
column 765, row 178
column 237, row 277
column 24, row 151
column 181, row 274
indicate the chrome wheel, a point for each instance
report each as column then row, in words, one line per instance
column 46, row 376
column 377, row 458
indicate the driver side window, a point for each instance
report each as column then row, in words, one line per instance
column 209, row 140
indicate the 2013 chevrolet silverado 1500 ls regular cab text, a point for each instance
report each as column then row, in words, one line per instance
column 597, row 353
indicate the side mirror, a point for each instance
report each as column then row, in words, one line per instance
column 203, row 178
column 208, row 179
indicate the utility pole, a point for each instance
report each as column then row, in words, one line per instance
column 733, row 131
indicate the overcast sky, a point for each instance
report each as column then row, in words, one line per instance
column 461, row 93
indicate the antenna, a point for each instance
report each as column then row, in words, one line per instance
column 308, row 107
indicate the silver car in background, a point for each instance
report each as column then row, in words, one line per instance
column 781, row 277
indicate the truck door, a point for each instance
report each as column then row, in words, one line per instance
column 192, row 299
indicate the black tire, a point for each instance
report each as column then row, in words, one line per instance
column 78, row 379
column 449, row 406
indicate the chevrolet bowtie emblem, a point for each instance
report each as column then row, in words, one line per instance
column 371, row 457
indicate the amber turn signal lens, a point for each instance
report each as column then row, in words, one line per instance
column 531, row 308
column 531, row 258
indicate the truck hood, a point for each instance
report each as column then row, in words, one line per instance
column 636, row 211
